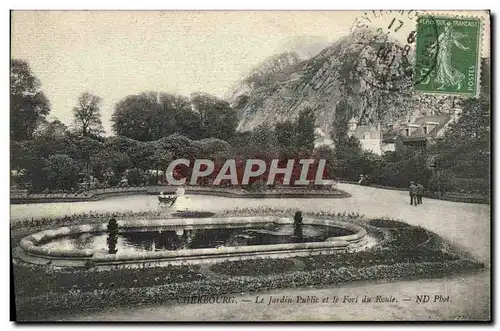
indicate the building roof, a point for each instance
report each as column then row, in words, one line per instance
column 414, row 138
column 440, row 121
column 389, row 137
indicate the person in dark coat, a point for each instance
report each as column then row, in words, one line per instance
column 413, row 193
column 420, row 193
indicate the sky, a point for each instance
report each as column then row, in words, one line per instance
column 117, row 53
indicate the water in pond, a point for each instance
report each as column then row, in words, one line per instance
column 198, row 237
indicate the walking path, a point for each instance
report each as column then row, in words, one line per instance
column 467, row 225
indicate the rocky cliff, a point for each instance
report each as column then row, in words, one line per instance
column 377, row 88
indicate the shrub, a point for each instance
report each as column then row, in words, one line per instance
column 471, row 185
column 257, row 267
column 257, row 186
column 135, row 177
column 387, row 223
column 441, row 181
column 407, row 238
column 113, row 181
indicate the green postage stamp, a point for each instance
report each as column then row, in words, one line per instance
column 447, row 55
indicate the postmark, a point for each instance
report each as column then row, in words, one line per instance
column 388, row 40
column 456, row 52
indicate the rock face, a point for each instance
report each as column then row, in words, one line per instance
column 347, row 71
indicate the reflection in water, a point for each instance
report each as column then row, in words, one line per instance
column 193, row 238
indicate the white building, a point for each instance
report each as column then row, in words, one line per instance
column 369, row 136
column 322, row 137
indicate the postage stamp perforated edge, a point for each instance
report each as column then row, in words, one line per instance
column 479, row 55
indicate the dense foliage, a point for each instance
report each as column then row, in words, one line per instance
column 459, row 161
column 28, row 104
column 153, row 129
column 119, row 160
column 151, row 116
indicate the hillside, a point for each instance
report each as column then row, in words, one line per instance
column 346, row 71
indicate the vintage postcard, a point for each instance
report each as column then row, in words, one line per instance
column 250, row 166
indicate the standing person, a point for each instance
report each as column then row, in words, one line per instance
column 413, row 193
column 420, row 193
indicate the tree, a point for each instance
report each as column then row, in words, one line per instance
column 465, row 147
column 262, row 143
column 28, row 105
column 305, row 129
column 217, row 118
column 151, row 116
column 162, row 159
column 348, row 158
column 100, row 165
column 54, row 128
column 212, row 148
column 177, row 116
column 180, row 147
column 142, row 155
column 17, row 155
column 87, row 115
column 58, row 171
column 326, row 153
column 286, row 136
column 240, row 142
column 109, row 163
column 118, row 163
column 135, row 177
column 121, row 144
column 37, row 173
column 134, row 117
column 343, row 113
column 62, row 172
column 87, row 147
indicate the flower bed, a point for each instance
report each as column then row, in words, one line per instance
column 89, row 195
column 387, row 223
column 97, row 194
column 277, row 193
column 86, row 280
column 407, row 244
column 193, row 214
column 32, row 306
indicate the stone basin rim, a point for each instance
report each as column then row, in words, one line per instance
column 29, row 243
